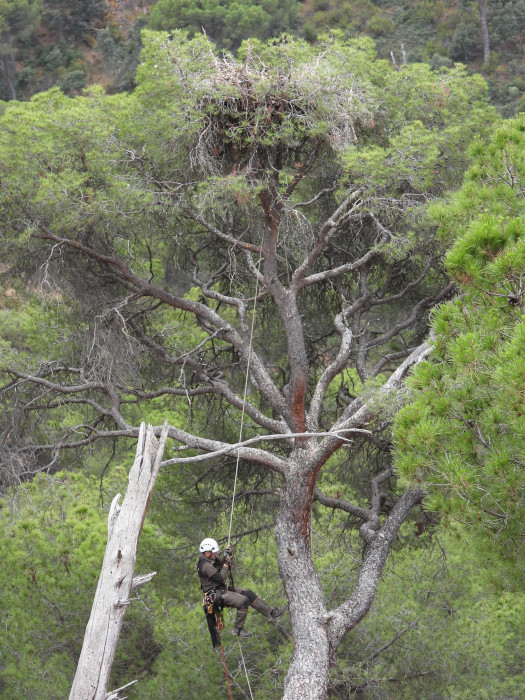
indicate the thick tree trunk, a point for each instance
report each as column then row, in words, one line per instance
column 484, row 30
column 116, row 578
column 316, row 632
column 307, row 676
column 8, row 63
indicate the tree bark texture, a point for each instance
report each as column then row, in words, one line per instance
column 484, row 30
column 317, row 632
column 308, row 672
column 116, row 577
column 8, row 63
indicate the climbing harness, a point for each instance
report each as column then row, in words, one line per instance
column 213, row 611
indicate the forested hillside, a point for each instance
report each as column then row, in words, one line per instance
column 75, row 43
column 307, row 256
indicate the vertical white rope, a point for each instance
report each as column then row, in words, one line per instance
column 244, row 398
column 240, row 440
column 245, row 671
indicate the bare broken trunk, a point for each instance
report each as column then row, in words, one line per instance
column 116, row 580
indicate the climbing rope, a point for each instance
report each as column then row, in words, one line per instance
column 245, row 671
column 226, row 672
column 244, row 398
column 248, row 364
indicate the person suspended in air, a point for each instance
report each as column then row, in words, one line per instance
column 213, row 575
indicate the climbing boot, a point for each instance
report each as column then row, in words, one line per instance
column 240, row 632
column 267, row 610
column 277, row 612
column 262, row 607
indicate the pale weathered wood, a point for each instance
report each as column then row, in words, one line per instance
column 116, row 577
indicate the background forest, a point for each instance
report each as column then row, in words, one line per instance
column 124, row 169
column 72, row 43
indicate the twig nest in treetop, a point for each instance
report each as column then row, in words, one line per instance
column 10, row 292
column 250, row 103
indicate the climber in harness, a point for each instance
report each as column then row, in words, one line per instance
column 214, row 573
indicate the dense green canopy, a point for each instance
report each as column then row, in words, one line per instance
column 158, row 174
column 464, row 431
column 112, row 208
column 226, row 22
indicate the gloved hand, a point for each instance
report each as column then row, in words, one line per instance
column 229, row 554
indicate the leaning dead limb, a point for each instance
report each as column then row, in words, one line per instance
column 116, row 577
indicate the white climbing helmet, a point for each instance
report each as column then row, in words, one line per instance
column 209, row 545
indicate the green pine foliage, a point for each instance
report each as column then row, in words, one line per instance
column 463, row 431
column 74, row 18
column 54, row 531
column 18, row 20
column 465, row 621
column 70, row 43
column 85, row 160
column 467, row 618
column 439, row 33
column 464, row 625
column 53, row 538
column 226, row 22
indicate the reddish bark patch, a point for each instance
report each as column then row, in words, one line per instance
column 307, row 506
column 298, row 413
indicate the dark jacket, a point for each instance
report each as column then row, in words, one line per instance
column 212, row 574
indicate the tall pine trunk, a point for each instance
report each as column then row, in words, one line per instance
column 307, row 677
column 9, row 64
column 484, row 30
column 317, row 632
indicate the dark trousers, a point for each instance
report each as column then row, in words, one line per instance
column 242, row 599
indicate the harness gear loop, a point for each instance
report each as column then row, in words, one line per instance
column 208, row 603
column 213, row 610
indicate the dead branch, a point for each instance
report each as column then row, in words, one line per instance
column 116, row 578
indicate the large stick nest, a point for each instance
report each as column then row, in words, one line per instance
column 251, row 106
